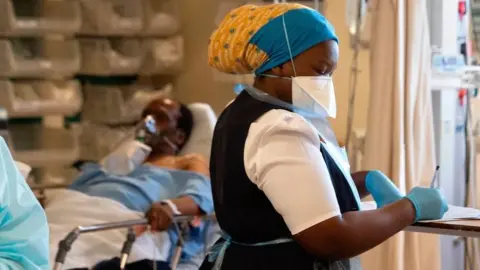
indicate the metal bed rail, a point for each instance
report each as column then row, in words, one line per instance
column 65, row 245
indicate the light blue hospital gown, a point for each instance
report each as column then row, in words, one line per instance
column 23, row 224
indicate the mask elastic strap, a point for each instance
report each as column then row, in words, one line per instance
column 275, row 76
column 170, row 143
column 288, row 44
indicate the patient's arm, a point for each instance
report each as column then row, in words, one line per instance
column 161, row 214
column 194, row 199
column 187, row 206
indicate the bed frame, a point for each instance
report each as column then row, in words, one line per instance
column 180, row 223
column 65, row 245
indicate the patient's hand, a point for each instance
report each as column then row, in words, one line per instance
column 140, row 229
column 160, row 217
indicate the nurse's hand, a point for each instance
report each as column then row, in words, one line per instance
column 160, row 216
column 429, row 203
column 382, row 188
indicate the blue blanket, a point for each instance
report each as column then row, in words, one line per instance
column 146, row 185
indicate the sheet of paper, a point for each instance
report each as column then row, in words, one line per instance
column 370, row 205
column 456, row 213
column 453, row 213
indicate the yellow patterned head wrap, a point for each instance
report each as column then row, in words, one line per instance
column 252, row 38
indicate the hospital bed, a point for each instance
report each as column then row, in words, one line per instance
column 65, row 245
column 200, row 142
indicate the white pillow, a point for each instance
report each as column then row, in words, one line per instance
column 24, row 169
column 204, row 120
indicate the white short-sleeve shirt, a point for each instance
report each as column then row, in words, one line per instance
column 282, row 157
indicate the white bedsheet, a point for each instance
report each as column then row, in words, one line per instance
column 68, row 209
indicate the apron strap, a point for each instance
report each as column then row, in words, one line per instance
column 217, row 252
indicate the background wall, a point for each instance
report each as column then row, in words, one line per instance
column 197, row 82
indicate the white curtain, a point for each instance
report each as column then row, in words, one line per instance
column 399, row 136
column 473, row 256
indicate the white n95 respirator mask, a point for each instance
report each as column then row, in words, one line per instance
column 126, row 158
column 315, row 94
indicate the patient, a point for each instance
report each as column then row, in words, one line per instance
column 166, row 185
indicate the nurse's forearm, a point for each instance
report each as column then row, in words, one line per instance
column 356, row 232
column 359, row 179
column 361, row 231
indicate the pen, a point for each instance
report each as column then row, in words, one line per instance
column 434, row 179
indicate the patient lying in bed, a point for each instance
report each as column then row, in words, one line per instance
column 165, row 185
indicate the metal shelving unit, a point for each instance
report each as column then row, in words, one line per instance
column 49, row 47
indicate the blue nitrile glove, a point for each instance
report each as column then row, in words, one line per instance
column 382, row 188
column 429, row 203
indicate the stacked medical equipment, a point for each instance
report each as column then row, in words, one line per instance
column 54, row 53
column 131, row 52
column 40, row 57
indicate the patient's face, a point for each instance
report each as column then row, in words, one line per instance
column 166, row 113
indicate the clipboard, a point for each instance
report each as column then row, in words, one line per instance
column 453, row 224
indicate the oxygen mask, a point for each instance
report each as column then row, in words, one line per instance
column 152, row 135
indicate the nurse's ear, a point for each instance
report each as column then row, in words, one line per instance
column 284, row 87
column 278, row 71
column 286, row 69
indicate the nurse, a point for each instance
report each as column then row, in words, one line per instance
column 282, row 188
column 23, row 224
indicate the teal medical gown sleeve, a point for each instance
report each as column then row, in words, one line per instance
column 23, row 224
